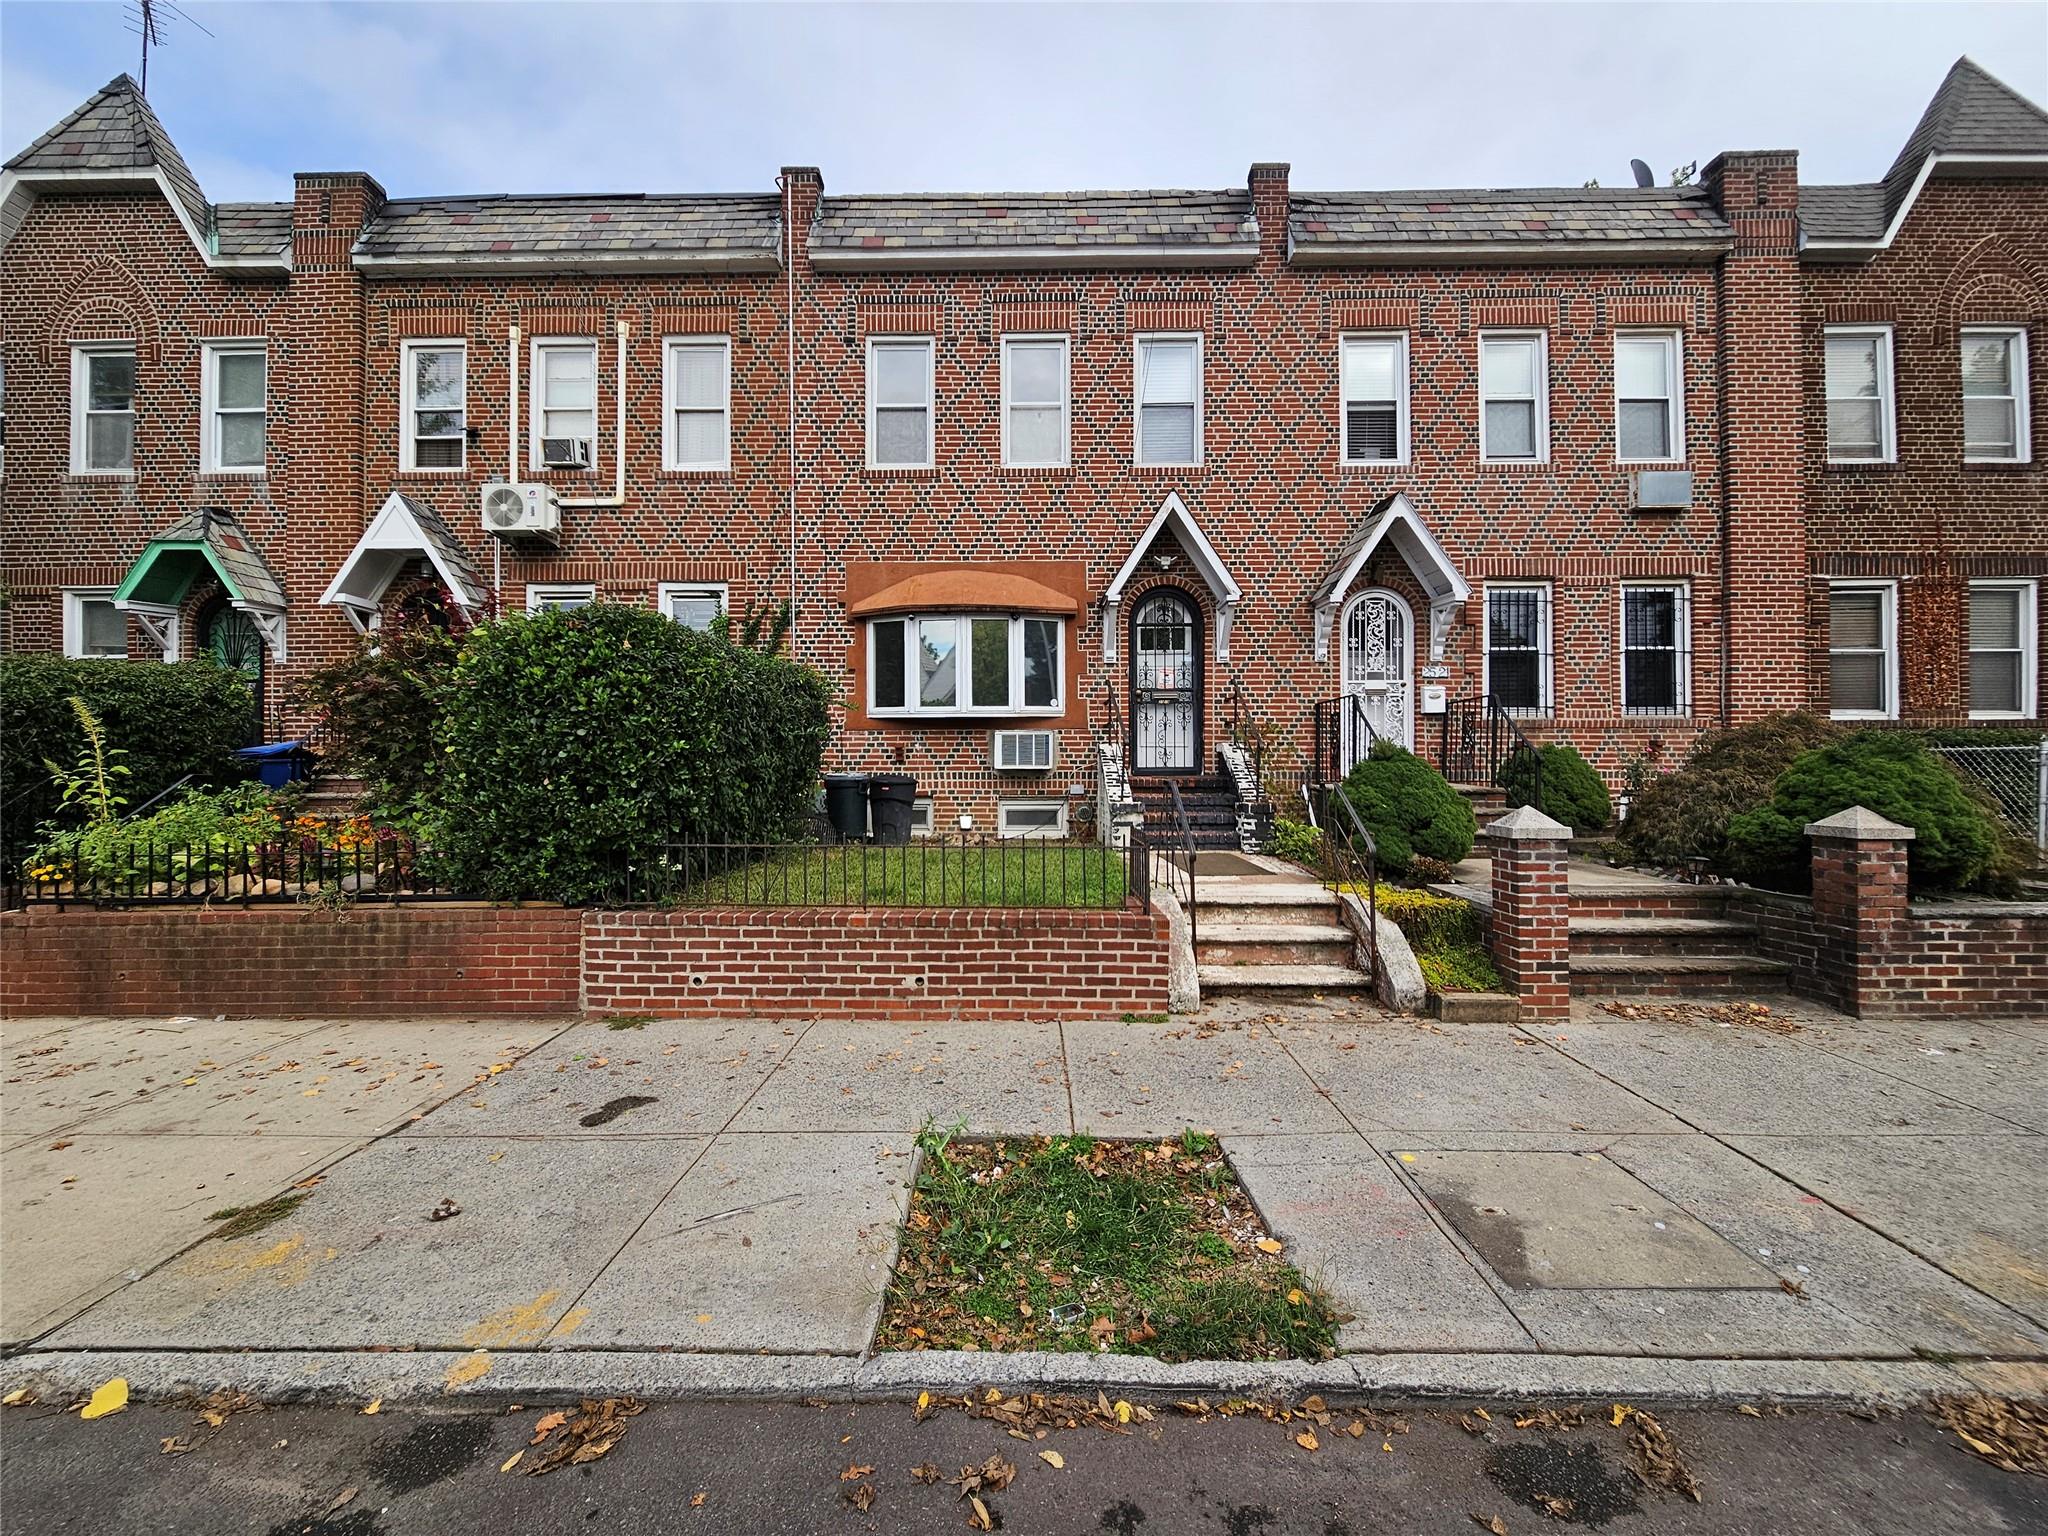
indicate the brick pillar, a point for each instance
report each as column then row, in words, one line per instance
column 1762, row 447
column 1859, row 905
column 1532, row 911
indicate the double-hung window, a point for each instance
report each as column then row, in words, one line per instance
column 1514, row 398
column 436, row 405
column 93, row 626
column 233, row 408
column 1863, row 663
column 900, row 402
column 564, row 402
column 103, row 410
column 2002, row 620
column 1995, row 426
column 1518, row 648
column 699, row 384
column 964, row 664
column 1035, row 401
column 1649, row 398
column 1169, row 400
column 559, row 597
column 694, row 605
column 1374, row 373
column 1858, row 377
column 1656, row 652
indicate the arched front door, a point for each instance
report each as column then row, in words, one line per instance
column 1377, row 625
column 232, row 639
column 1166, row 684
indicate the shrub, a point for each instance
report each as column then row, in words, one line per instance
column 1296, row 840
column 1957, row 846
column 379, row 706
column 1683, row 815
column 1409, row 808
column 167, row 722
column 1569, row 791
column 1447, row 936
column 574, row 742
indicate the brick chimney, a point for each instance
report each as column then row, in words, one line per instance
column 1268, row 182
column 806, row 185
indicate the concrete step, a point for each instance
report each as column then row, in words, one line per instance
column 1278, row 980
column 1688, row 936
column 1641, row 975
column 1228, row 903
column 1649, row 898
column 1296, row 944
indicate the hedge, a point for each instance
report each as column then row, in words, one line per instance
column 1683, row 816
column 1570, row 790
column 168, row 721
column 1410, row 809
column 1447, row 936
column 576, row 743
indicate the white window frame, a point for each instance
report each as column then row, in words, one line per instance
column 1139, row 342
column 1345, row 342
column 1546, row 667
column 1681, row 705
column 536, row 397
column 1542, row 397
column 409, row 407
column 2022, row 387
column 211, row 410
column 668, row 591
column 671, row 460
column 2029, row 638
column 1887, row 393
column 75, row 599
column 1673, row 343
column 963, row 668
column 544, row 595
column 1889, row 629
column 929, row 345
column 1005, row 807
column 81, row 400
column 1066, row 405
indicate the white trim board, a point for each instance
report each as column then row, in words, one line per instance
column 1208, row 564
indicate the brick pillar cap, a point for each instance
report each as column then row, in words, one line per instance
column 1526, row 824
column 1860, row 824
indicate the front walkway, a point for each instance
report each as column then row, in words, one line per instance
column 1674, row 1187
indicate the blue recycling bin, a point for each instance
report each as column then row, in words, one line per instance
column 277, row 763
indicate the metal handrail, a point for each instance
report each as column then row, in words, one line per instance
column 1187, row 842
column 1479, row 742
column 1116, row 726
column 1352, row 858
column 1329, row 721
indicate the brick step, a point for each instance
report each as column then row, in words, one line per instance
column 1278, row 980
column 1661, row 936
column 1273, row 944
column 1640, row 975
column 1660, row 898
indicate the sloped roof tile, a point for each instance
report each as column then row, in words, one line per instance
column 490, row 229
column 1069, row 223
column 1536, row 217
column 116, row 131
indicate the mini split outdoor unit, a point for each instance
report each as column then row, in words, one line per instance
column 512, row 511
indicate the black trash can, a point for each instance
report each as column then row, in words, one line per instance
column 892, row 798
column 846, row 805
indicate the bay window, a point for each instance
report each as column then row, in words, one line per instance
column 964, row 664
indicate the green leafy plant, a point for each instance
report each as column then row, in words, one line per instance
column 1957, row 843
column 88, row 785
column 1682, row 817
column 1561, row 784
column 763, row 627
column 575, row 744
column 1409, row 808
column 1296, row 840
column 1447, row 936
column 379, row 705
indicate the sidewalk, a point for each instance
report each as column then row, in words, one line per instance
column 1654, row 1200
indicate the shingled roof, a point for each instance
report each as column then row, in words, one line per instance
column 116, row 131
column 1036, row 229
column 741, row 232
column 1543, row 222
column 252, row 229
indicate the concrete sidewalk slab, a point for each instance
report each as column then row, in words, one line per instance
column 1153, row 1079
column 1361, row 1234
column 361, row 1264
column 2002, row 1072
column 581, row 1082
column 882, row 1078
column 81, row 1221
column 772, row 1241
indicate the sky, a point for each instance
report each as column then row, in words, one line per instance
column 552, row 97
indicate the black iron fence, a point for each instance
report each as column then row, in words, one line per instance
column 131, row 872
column 1479, row 742
column 1341, row 735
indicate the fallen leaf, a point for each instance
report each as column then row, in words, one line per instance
column 1357, row 1429
column 512, row 1461
column 979, row 1520
column 108, row 1397
column 1749, row 1410
column 444, row 1210
column 175, row 1445
column 924, row 1472
column 861, row 1496
column 375, row 1405
column 1270, row 1245
column 15, row 1398
column 1619, row 1412
column 1052, row 1459
column 546, row 1425
column 1493, row 1523
column 854, row 1472
column 59, row 1146
column 1123, row 1411
column 697, row 1499
column 1307, row 1440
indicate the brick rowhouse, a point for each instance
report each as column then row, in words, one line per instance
column 109, row 240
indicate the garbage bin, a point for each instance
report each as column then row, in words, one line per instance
column 846, row 805
column 892, row 798
column 278, row 763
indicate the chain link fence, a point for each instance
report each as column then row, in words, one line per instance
column 2014, row 776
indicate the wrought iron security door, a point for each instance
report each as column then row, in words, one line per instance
column 1166, row 685
column 233, row 640
column 1376, row 670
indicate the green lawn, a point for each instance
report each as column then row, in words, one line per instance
column 1025, row 873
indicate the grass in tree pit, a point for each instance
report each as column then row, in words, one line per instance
column 1070, row 1243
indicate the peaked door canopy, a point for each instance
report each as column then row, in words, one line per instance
column 404, row 530
column 1394, row 519
column 1173, row 513
column 209, row 541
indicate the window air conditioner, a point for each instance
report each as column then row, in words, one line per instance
column 1025, row 751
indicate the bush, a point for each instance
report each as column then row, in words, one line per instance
column 1682, row 816
column 574, row 742
column 1296, row 840
column 1409, row 808
column 1448, row 939
column 1958, row 843
column 1570, row 791
column 379, row 707
column 168, row 721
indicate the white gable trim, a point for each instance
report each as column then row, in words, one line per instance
column 1983, row 162
column 18, row 195
column 393, row 539
column 1446, row 587
column 1222, row 586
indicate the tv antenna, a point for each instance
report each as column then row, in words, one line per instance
column 148, row 20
